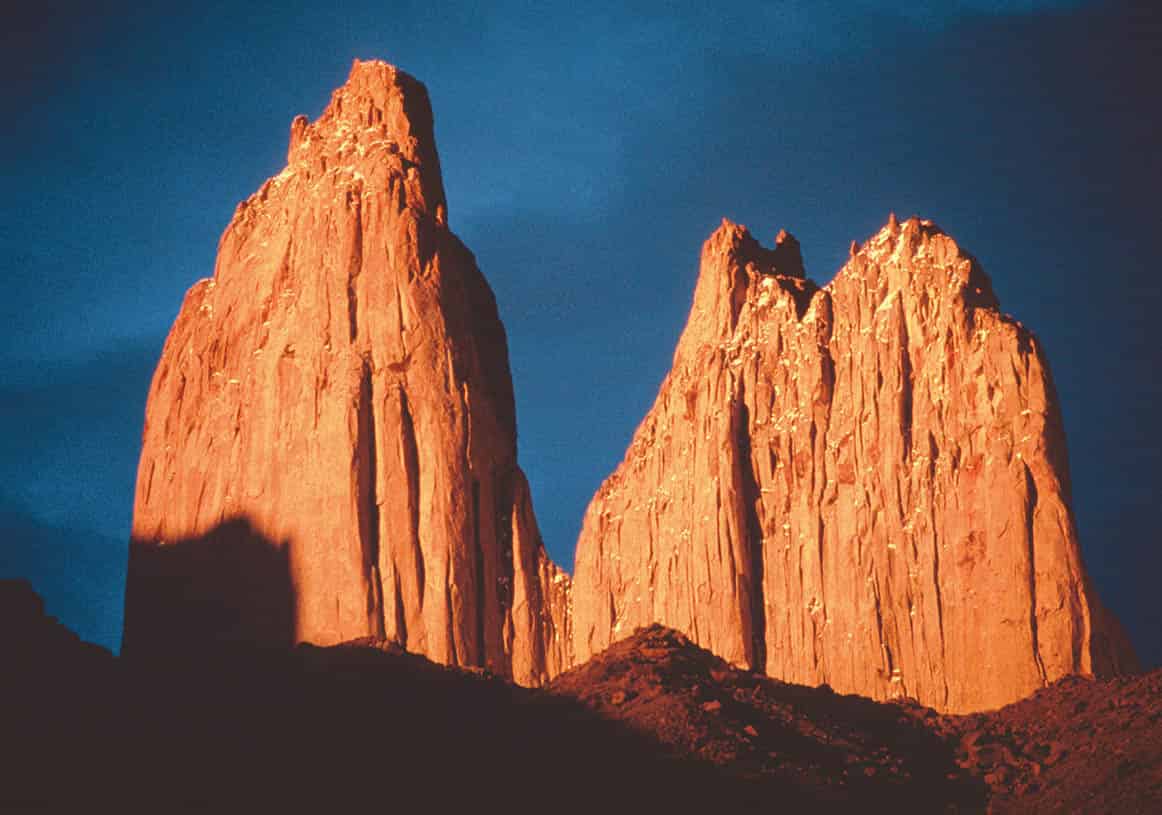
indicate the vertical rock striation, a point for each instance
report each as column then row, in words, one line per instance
column 341, row 388
column 863, row 485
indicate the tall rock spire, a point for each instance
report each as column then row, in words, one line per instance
column 330, row 437
column 864, row 485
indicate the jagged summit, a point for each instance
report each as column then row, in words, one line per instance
column 378, row 126
column 330, row 439
column 785, row 259
column 376, row 100
column 863, row 484
column 788, row 256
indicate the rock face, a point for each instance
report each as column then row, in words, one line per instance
column 340, row 391
column 863, row 485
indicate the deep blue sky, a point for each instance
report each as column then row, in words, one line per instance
column 587, row 153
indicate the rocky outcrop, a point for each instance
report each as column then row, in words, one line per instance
column 810, row 749
column 35, row 643
column 340, row 391
column 863, row 485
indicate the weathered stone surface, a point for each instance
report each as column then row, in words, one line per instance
column 863, row 485
column 340, row 389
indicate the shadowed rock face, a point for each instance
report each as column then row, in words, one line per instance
column 342, row 384
column 661, row 724
column 864, row 485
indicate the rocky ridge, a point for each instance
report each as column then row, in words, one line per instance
column 335, row 406
column 653, row 721
column 833, row 750
column 863, row 485
column 1079, row 745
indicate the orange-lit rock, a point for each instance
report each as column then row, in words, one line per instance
column 863, row 485
column 340, row 387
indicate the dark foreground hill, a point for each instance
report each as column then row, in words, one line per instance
column 1077, row 746
column 652, row 724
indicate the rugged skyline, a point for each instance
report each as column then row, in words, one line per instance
column 1028, row 136
column 863, row 485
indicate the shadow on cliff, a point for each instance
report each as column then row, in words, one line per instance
column 196, row 716
column 363, row 725
column 228, row 588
